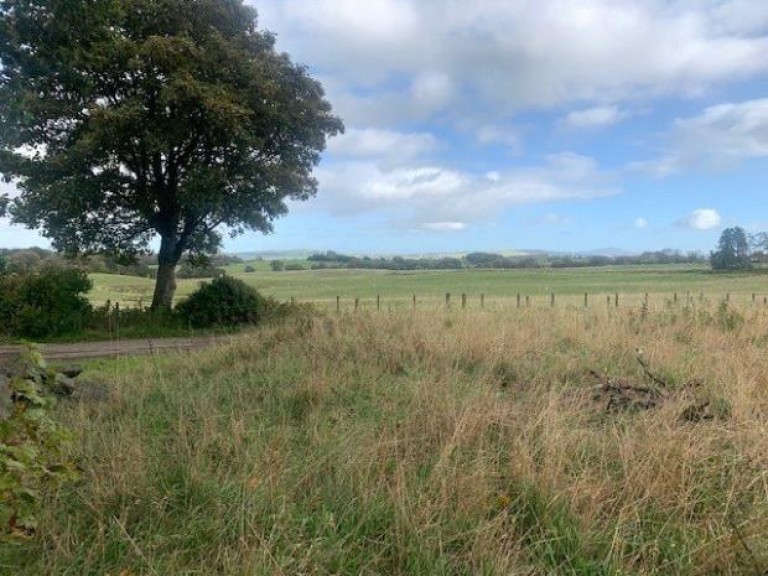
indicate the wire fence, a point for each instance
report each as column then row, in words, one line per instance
column 519, row 300
column 480, row 301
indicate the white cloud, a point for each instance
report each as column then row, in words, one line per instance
column 740, row 16
column 719, row 137
column 507, row 136
column 701, row 219
column 433, row 193
column 433, row 90
column 595, row 117
column 641, row 223
column 410, row 183
column 384, row 144
column 727, row 130
column 494, row 58
column 444, row 226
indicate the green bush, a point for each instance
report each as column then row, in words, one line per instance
column 33, row 447
column 225, row 301
column 46, row 303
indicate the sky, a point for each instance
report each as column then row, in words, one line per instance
column 569, row 125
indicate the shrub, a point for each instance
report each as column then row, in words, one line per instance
column 47, row 303
column 249, row 269
column 294, row 267
column 33, row 447
column 225, row 301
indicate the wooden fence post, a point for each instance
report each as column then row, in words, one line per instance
column 617, row 299
column 357, row 303
column 586, row 299
column 463, row 300
column 518, row 300
column 552, row 303
column 414, row 301
column 378, row 302
column 338, row 304
column 482, row 300
column 447, row 299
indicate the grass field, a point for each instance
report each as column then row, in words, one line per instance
column 500, row 286
column 441, row 442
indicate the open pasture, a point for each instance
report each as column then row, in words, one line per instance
column 440, row 442
column 499, row 287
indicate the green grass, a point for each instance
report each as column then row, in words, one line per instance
column 426, row 443
column 496, row 285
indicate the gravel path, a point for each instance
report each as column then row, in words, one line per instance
column 114, row 348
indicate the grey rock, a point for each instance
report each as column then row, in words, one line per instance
column 63, row 385
column 72, row 371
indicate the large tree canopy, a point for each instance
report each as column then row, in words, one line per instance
column 123, row 120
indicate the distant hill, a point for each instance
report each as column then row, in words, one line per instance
column 610, row 252
column 300, row 254
column 276, row 254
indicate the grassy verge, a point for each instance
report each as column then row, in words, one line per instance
column 424, row 443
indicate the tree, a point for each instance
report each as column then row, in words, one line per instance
column 732, row 251
column 125, row 120
column 23, row 261
column 758, row 244
column 277, row 265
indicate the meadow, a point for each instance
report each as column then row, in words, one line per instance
column 500, row 286
column 427, row 442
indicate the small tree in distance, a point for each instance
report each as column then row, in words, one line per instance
column 732, row 251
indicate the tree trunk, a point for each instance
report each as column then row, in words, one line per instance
column 165, row 284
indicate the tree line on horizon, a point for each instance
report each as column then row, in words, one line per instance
column 487, row 260
column 735, row 250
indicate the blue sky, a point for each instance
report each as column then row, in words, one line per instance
column 510, row 124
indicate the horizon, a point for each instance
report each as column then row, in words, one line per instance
column 568, row 126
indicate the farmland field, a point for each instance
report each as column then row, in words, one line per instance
column 498, row 286
column 528, row 442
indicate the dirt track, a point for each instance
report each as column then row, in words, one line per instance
column 114, row 348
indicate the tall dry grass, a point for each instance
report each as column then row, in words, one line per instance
column 426, row 443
